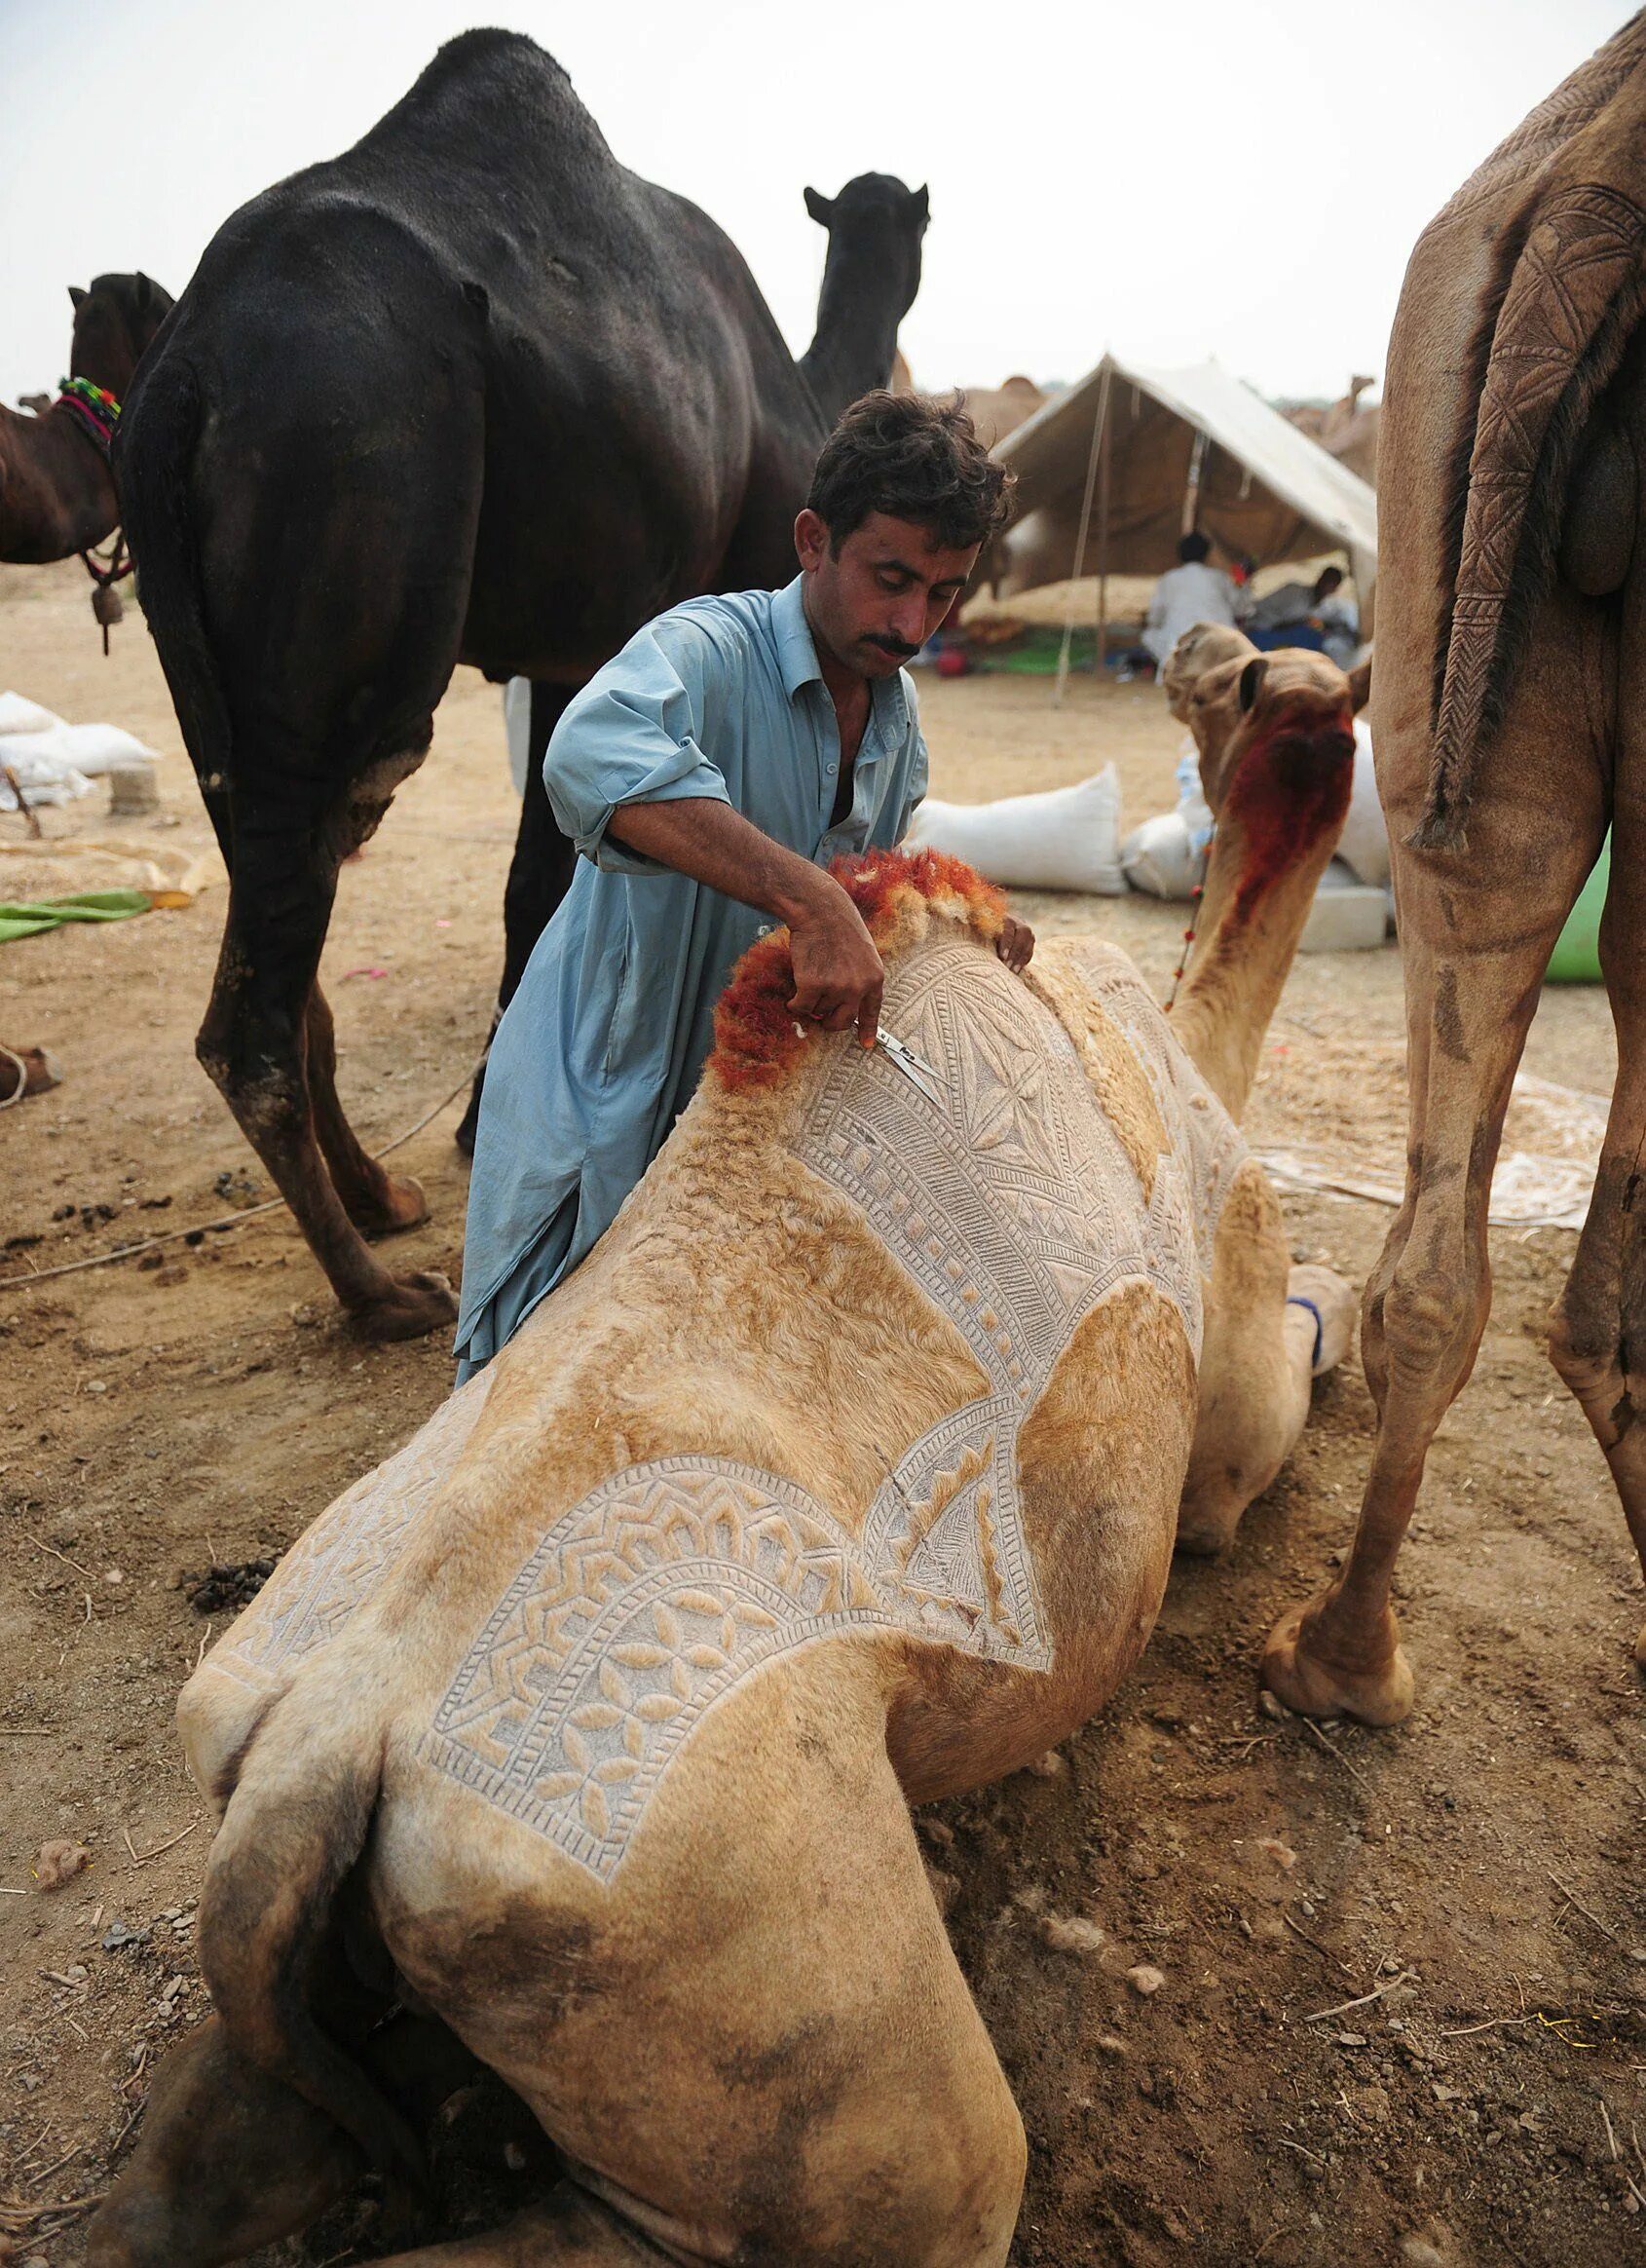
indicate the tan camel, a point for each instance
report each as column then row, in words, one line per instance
column 1509, row 734
column 846, row 1473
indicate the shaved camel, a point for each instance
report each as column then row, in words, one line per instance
column 1509, row 734
column 846, row 1473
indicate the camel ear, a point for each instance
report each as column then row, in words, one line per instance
column 78, row 297
column 821, row 208
column 1359, row 684
column 1250, row 679
column 144, row 296
column 920, row 204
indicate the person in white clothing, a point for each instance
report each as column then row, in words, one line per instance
column 1188, row 594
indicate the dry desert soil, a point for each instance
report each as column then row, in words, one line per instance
column 1467, row 1891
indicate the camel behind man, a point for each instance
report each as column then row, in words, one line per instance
column 845, row 1473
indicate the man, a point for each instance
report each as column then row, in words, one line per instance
column 1303, row 613
column 708, row 774
column 1188, row 594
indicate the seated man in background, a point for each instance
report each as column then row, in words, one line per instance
column 708, row 774
column 1310, row 615
column 1190, row 592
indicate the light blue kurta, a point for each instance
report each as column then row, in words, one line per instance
column 600, row 1049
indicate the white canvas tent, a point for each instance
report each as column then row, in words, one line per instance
column 1111, row 472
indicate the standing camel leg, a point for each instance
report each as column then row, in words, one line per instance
column 1597, row 1340
column 540, row 874
column 255, row 1046
column 1477, row 928
column 376, row 1201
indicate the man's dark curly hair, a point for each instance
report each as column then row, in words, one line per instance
column 913, row 459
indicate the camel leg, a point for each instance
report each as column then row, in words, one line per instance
column 1257, row 1364
column 378, row 1202
column 1597, row 1338
column 540, row 874
column 253, row 1045
column 1477, row 929
column 570, row 2229
column 229, row 2160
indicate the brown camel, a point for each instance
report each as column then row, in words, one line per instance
column 57, row 493
column 846, row 1473
column 1508, row 736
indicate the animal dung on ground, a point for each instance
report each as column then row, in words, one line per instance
column 59, row 1862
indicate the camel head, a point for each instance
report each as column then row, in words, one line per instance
column 1235, row 699
column 113, row 322
column 1277, row 764
column 876, row 225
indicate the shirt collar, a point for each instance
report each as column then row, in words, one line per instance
column 797, row 658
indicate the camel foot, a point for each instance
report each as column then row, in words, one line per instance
column 1336, row 1306
column 469, row 1125
column 398, row 1203
column 39, row 1073
column 1301, row 1672
column 412, row 1306
column 1204, row 1537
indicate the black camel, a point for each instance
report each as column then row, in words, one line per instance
column 471, row 392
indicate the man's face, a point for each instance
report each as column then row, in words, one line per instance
column 877, row 603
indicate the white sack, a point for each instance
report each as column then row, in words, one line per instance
column 18, row 715
column 1065, row 839
column 1364, row 847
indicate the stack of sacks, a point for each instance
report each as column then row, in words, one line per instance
column 1065, row 839
column 1165, row 855
column 55, row 763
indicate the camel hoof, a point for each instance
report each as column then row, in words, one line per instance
column 1205, row 1537
column 400, row 1204
column 1296, row 1676
column 412, row 1306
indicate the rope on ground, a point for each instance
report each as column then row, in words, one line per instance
column 44, row 1275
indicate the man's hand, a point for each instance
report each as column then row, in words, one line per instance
column 1015, row 944
column 839, row 976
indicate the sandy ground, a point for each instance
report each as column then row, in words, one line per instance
column 1470, row 1883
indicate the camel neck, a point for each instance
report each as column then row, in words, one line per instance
column 855, row 342
column 58, row 493
column 1276, row 833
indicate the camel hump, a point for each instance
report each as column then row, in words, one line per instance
column 1575, row 295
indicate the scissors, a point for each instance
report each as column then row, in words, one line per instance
column 914, row 1068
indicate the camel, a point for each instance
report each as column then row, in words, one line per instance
column 846, row 1473
column 471, row 392
column 1504, row 729
column 56, row 493
column 1343, row 428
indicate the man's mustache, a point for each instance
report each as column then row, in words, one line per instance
column 891, row 646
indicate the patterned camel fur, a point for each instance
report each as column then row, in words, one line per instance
column 846, row 1473
column 1511, row 731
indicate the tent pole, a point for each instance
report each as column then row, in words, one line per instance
column 1102, row 557
column 1100, row 427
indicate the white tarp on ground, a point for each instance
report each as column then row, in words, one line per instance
column 1265, row 488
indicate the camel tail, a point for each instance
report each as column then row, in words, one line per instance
column 153, row 455
column 295, row 1826
column 1574, row 297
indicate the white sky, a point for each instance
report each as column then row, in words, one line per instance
column 1174, row 177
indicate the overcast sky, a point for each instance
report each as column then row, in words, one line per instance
column 1172, row 177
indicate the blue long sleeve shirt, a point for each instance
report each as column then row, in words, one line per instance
column 601, row 1048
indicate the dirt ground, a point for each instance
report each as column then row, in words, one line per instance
column 1467, row 1891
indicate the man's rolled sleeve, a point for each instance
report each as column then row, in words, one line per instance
column 631, row 737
